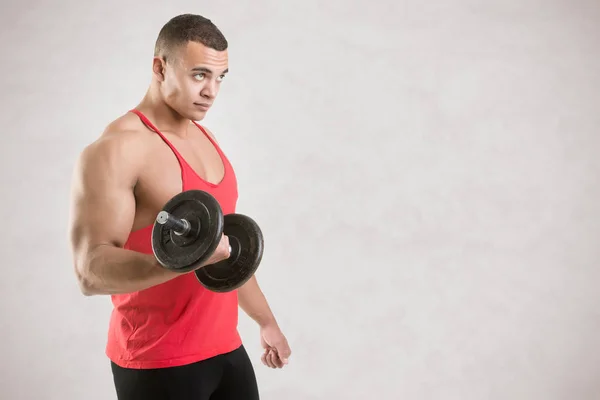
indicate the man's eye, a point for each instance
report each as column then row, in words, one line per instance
column 199, row 76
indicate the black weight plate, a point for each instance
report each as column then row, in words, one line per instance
column 184, row 253
column 247, row 244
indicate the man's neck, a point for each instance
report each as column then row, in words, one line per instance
column 161, row 115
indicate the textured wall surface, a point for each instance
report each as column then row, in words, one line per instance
column 426, row 175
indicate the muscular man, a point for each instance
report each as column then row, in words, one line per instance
column 168, row 338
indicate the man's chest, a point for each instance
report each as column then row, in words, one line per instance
column 161, row 178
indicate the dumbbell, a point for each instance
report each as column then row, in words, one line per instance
column 187, row 231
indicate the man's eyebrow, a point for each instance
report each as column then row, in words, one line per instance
column 207, row 70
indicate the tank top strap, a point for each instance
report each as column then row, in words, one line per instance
column 215, row 144
column 146, row 121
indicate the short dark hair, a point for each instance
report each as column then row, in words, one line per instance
column 184, row 28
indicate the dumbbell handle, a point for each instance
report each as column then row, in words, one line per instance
column 178, row 225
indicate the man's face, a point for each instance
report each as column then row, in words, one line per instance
column 192, row 79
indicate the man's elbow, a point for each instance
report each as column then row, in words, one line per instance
column 86, row 291
column 83, row 260
column 86, row 287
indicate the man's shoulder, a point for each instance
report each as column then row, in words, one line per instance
column 126, row 127
column 126, row 132
column 123, row 138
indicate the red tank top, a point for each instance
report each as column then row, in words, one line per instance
column 177, row 322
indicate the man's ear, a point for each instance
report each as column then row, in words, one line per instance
column 158, row 68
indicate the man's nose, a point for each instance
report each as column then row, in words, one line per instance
column 209, row 90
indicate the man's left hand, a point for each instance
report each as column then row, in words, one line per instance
column 277, row 349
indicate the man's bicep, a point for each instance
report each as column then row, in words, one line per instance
column 103, row 203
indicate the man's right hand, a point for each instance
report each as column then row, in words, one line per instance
column 222, row 252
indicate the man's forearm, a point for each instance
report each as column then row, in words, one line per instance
column 112, row 270
column 253, row 302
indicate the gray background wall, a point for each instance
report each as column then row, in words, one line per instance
column 425, row 173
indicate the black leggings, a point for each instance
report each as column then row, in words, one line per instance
column 225, row 377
